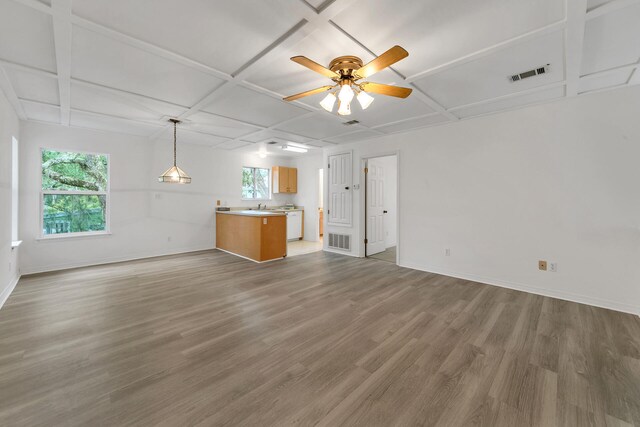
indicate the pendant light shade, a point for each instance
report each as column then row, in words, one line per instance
column 174, row 175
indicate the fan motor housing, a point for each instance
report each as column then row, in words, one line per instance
column 345, row 65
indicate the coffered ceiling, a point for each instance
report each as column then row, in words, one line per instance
column 223, row 66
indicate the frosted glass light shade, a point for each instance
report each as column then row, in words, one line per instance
column 175, row 175
column 346, row 94
column 328, row 102
column 344, row 109
column 365, row 99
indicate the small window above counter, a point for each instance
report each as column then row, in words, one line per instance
column 285, row 179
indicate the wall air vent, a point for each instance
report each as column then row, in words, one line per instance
column 530, row 73
column 340, row 241
column 351, row 122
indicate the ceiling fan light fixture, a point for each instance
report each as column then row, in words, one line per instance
column 174, row 175
column 328, row 102
column 344, row 108
column 346, row 93
column 365, row 99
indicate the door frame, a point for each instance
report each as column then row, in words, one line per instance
column 363, row 199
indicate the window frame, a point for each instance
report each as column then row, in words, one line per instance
column 15, row 189
column 268, row 169
column 106, row 193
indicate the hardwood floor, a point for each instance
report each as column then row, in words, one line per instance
column 211, row 339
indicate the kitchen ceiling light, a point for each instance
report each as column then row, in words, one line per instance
column 328, row 102
column 174, row 175
column 294, row 149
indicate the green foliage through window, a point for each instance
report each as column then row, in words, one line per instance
column 74, row 192
column 255, row 183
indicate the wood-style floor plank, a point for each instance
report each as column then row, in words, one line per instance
column 320, row 339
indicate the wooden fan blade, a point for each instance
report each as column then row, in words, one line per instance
column 307, row 93
column 314, row 66
column 398, row 92
column 388, row 58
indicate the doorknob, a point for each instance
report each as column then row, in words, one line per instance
column 346, row 188
column 385, row 212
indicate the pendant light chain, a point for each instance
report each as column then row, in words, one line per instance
column 175, row 125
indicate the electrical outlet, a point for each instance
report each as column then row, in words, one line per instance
column 542, row 265
column 447, row 252
column 553, row 267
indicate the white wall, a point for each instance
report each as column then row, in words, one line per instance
column 147, row 218
column 308, row 189
column 390, row 170
column 557, row 182
column 9, row 128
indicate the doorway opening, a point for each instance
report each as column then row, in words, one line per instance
column 381, row 208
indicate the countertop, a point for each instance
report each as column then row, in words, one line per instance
column 252, row 213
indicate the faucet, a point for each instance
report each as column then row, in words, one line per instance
column 258, row 206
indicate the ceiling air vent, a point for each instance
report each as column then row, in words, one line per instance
column 530, row 73
column 271, row 142
column 351, row 122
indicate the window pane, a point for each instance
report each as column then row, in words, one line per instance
column 262, row 183
column 74, row 171
column 247, row 183
column 73, row 213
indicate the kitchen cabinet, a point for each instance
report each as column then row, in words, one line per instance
column 294, row 225
column 285, row 179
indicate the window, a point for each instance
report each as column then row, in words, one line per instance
column 75, row 193
column 14, row 189
column 255, row 184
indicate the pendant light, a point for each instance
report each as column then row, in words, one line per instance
column 174, row 175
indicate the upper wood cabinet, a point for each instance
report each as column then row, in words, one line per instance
column 285, row 180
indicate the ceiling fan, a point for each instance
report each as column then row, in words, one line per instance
column 345, row 71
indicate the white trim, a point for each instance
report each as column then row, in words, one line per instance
column 111, row 260
column 4, row 296
column 15, row 243
column 63, row 236
column 567, row 296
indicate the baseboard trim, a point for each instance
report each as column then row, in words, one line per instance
column 131, row 257
column 567, row 296
column 7, row 291
column 339, row 252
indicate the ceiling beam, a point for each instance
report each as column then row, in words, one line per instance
column 576, row 11
column 609, row 7
column 7, row 88
column 509, row 95
column 62, row 42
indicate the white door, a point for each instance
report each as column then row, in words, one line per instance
column 339, row 209
column 375, row 207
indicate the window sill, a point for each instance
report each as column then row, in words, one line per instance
column 15, row 243
column 54, row 237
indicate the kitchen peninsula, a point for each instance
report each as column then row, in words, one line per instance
column 257, row 235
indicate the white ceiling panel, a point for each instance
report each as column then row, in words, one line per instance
column 41, row 112
column 435, row 32
column 35, row 87
column 413, row 124
column 612, row 40
column 488, row 77
column 511, row 103
column 112, row 124
column 223, row 35
column 272, row 134
column 318, row 126
column 216, row 125
column 187, row 136
column 253, row 107
column 26, row 36
column 387, row 109
column 605, row 80
column 233, row 145
column 355, row 136
column 98, row 59
column 112, row 103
